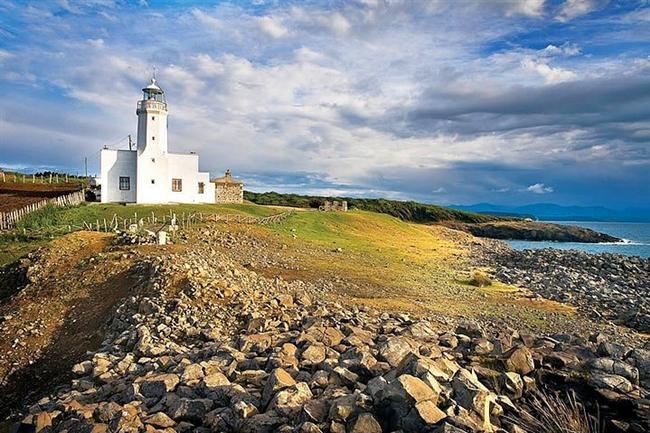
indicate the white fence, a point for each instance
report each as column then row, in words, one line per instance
column 8, row 219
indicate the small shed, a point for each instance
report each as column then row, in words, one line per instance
column 228, row 189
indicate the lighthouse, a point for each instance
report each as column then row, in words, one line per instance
column 150, row 173
column 152, row 145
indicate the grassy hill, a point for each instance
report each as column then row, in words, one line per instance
column 365, row 257
column 404, row 210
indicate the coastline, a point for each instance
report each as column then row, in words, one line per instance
column 605, row 286
column 635, row 239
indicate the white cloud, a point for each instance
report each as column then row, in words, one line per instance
column 207, row 20
column 4, row 55
column 551, row 75
column 566, row 49
column 272, row 27
column 96, row 43
column 574, row 8
column 530, row 8
column 539, row 188
column 338, row 23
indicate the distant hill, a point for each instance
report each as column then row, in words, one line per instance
column 554, row 212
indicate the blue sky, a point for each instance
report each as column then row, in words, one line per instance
column 510, row 102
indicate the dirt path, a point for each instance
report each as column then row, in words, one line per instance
column 51, row 323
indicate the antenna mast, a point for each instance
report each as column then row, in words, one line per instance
column 130, row 143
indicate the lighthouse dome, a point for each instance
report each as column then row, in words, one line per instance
column 153, row 91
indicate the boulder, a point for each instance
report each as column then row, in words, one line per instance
column 365, row 423
column 157, row 385
column 471, row 329
column 191, row 410
column 313, row 354
column 192, row 374
column 410, row 388
column 469, row 392
column 611, row 381
column 289, row 401
column 277, row 380
column 422, row 416
column 126, row 420
column 343, row 408
column 316, row 409
column 160, row 420
column 394, row 349
column 519, row 360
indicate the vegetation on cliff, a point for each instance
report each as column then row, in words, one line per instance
column 481, row 225
column 404, row 210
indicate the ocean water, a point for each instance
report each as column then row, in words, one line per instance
column 636, row 239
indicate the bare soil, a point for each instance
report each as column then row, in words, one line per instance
column 60, row 315
column 18, row 195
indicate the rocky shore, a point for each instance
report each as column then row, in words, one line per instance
column 205, row 345
column 534, row 231
column 604, row 286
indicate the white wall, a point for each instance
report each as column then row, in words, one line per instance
column 114, row 164
column 208, row 192
column 186, row 168
column 153, row 163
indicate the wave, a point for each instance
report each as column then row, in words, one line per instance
column 623, row 242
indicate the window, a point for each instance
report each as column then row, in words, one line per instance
column 153, row 181
column 153, row 138
column 177, row 185
column 125, row 183
column 153, row 117
column 201, row 187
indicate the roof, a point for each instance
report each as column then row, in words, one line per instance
column 153, row 87
column 227, row 179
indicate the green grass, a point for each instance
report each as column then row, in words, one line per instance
column 49, row 222
column 51, row 217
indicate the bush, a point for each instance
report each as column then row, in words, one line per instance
column 553, row 413
column 480, row 279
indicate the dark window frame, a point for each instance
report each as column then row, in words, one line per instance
column 125, row 183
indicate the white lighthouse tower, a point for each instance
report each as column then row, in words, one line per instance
column 152, row 145
column 150, row 174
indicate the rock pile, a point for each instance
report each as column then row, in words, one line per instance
column 610, row 286
column 208, row 346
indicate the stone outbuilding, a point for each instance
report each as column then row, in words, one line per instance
column 228, row 189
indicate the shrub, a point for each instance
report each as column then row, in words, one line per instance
column 480, row 279
column 554, row 413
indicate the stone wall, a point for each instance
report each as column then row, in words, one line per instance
column 334, row 206
column 229, row 193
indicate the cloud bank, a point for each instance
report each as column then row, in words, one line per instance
column 435, row 101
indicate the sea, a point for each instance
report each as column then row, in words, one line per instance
column 635, row 235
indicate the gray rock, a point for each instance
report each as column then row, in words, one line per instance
column 519, row 360
column 157, row 385
column 277, row 380
column 469, row 392
column 289, row 401
column 611, row 381
column 394, row 349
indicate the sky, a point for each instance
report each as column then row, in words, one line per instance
column 440, row 101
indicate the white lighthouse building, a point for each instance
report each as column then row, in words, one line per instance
column 150, row 174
